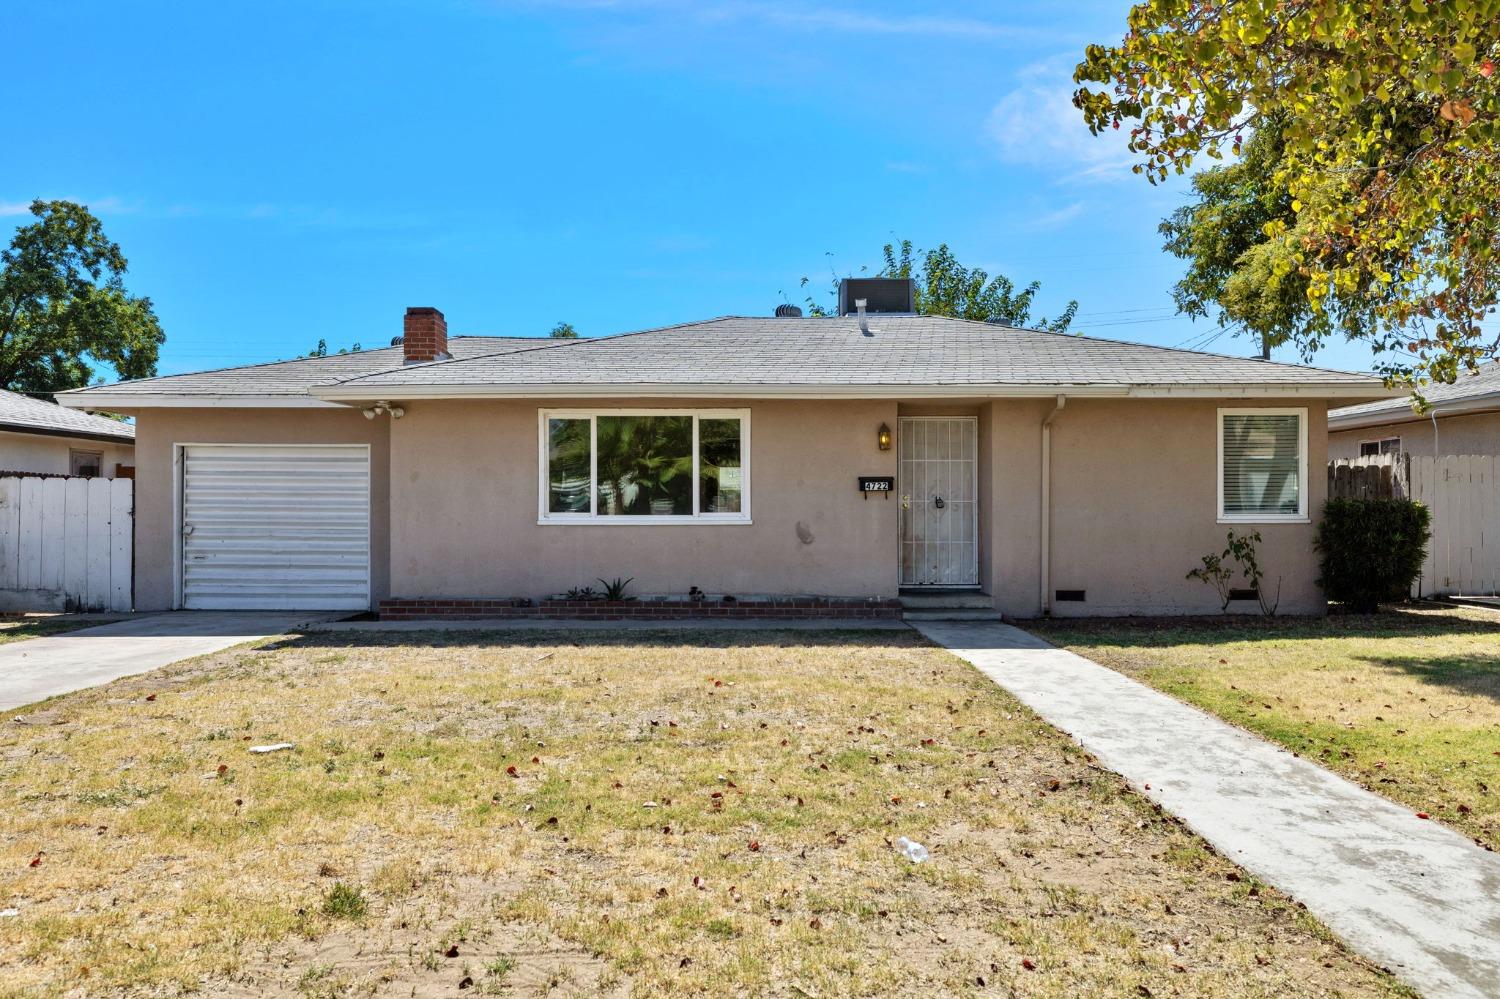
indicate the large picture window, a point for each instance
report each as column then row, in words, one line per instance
column 1262, row 465
column 620, row 466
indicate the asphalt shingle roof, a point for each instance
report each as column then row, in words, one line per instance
column 295, row 377
column 887, row 351
column 1486, row 381
column 21, row 413
column 894, row 351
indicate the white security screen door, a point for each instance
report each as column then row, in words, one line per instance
column 275, row 527
column 939, row 508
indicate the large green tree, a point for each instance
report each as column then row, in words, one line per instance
column 1390, row 119
column 1234, row 272
column 945, row 287
column 64, row 308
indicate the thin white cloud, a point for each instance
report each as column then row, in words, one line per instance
column 906, row 166
column 1037, row 125
column 1057, row 218
column 14, row 208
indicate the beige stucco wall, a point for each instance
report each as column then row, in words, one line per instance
column 455, row 494
column 158, row 430
column 464, row 501
column 1134, row 506
column 1478, row 433
column 45, row 455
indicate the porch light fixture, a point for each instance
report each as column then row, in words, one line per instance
column 883, row 437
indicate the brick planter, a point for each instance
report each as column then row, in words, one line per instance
column 441, row 608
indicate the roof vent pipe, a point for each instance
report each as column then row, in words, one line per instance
column 788, row 311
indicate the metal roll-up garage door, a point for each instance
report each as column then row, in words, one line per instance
column 275, row 527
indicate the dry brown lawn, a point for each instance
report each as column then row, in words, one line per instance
column 583, row 814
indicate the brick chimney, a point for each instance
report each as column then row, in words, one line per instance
column 425, row 335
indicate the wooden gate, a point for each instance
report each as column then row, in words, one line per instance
column 66, row 543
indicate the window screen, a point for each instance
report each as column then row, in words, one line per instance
column 1262, row 471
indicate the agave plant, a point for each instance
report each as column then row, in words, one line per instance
column 614, row 589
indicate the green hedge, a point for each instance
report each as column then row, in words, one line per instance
column 1372, row 550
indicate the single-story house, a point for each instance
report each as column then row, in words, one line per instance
column 841, row 461
column 1464, row 418
column 42, row 438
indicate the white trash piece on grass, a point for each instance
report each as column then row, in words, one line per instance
column 9, row 913
column 272, row 748
column 912, row 850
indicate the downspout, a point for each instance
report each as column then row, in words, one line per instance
column 1062, row 401
column 1436, row 451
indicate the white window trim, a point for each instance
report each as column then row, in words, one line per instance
column 547, row 518
column 1300, row 517
column 1377, row 441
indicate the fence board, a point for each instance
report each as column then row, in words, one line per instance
column 122, row 538
column 76, row 544
column 29, row 573
column 10, row 531
column 54, row 525
column 96, row 587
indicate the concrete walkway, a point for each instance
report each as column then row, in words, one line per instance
column 34, row 669
column 1409, row 894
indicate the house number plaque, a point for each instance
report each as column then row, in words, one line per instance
column 883, row 484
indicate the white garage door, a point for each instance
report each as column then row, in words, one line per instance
column 271, row 527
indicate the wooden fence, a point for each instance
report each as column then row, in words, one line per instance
column 1463, row 494
column 66, row 543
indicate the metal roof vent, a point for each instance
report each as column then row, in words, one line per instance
column 788, row 311
column 882, row 296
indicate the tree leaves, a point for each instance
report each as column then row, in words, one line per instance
column 64, row 307
column 946, row 287
column 1390, row 119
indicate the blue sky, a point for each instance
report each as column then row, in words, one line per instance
column 283, row 172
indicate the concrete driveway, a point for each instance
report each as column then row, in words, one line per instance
column 38, row 668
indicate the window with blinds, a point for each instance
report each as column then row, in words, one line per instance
column 1262, row 464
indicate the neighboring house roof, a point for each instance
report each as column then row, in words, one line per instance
column 243, row 385
column 754, row 357
column 1472, row 392
column 21, row 414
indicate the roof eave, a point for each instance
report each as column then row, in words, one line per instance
column 1450, row 407
column 355, row 392
column 126, row 402
column 102, row 437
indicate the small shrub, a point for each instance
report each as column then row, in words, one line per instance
column 1371, row 550
column 614, row 589
column 345, row 901
column 1218, row 574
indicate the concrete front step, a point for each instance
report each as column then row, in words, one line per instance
column 952, row 614
column 947, row 600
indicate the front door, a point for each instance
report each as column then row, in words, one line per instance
column 938, row 484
